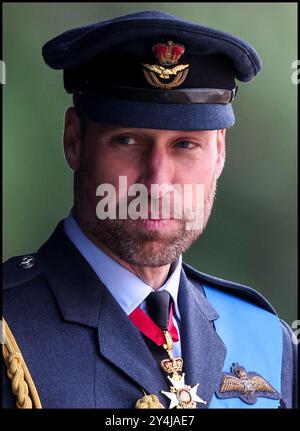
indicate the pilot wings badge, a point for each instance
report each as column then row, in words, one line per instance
column 247, row 386
column 167, row 54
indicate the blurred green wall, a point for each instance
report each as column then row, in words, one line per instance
column 251, row 236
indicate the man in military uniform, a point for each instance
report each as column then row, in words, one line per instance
column 106, row 314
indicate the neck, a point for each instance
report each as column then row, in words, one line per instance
column 153, row 276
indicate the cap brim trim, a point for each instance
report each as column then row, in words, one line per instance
column 157, row 115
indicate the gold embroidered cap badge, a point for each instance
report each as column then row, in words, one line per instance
column 167, row 54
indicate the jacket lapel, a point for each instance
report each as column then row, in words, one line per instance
column 82, row 298
column 72, row 281
column 123, row 345
column 202, row 349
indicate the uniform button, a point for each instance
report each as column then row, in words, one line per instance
column 26, row 262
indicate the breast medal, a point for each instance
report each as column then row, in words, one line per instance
column 181, row 396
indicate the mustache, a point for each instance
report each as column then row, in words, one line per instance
column 170, row 205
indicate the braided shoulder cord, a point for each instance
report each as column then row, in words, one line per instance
column 22, row 384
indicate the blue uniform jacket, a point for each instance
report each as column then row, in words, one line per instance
column 83, row 351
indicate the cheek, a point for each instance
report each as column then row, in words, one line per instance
column 107, row 168
column 199, row 171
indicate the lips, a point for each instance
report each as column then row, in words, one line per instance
column 154, row 224
column 157, row 219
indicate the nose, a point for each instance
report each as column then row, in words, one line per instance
column 158, row 169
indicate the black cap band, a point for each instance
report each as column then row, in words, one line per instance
column 182, row 96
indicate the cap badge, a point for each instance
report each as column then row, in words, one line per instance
column 247, row 386
column 167, row 54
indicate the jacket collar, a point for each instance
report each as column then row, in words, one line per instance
column 197, row 295
column 202, row 349
column 72, row 281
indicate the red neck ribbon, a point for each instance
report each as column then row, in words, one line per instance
column 149, row 328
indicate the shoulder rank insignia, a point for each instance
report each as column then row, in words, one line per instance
column 167, row 54
column 247, row 386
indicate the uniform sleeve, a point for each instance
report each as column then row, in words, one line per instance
column 289, row 377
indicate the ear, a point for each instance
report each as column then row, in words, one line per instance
column 220, row 151
column 72, row 138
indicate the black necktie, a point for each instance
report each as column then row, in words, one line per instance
column 158, row 308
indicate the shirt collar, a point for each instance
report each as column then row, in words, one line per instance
column 127, row 289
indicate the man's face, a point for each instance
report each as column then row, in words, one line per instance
column 143, row 156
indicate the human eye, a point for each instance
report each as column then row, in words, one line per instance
column 125, row 140
column 185, row 144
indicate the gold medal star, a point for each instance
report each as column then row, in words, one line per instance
column 181, row 395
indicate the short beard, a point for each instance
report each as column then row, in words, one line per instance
column 124, row 237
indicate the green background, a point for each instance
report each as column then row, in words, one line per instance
column 252, row 234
